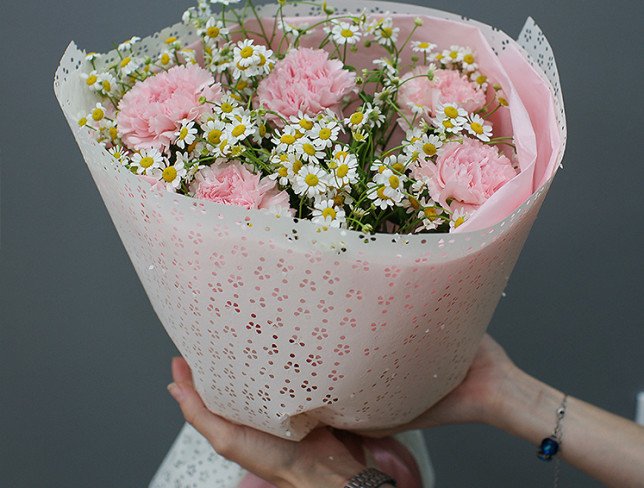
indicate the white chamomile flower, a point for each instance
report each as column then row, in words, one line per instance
column 431, row 215
column 376, row 192
column 91, row 57
column 326, row 212
column 186, row 134
column 245, row 53
column 171, row 175
column 128, row 65
column 387, row 65
column 189, row 55
column 453, row 55
column 292, row 163
column 479, row 79
column 281, row 174
column 384, row 31
column 147, row 160
column 127, row 45
column 397, row 163
column 119, row 154
column 98, row 113
column 165, row 59
column 228, row 107
column 310, row 181
column 357, row 119
column 239, row 129
column 290, row 29
column 213, row 130
column 450, row 117
column 306, row 149
column 392, row 182
column 286, row 140
column 423, row 47
column 325, row 132
column 374, row 115
column 92, row 80
column 213, row 30
column 305, row 121
column 423, row 145
column 225, row 2
column 469, row 61
column 477, row 126
column 345, row 33
column 457, row 218
column 344, row 167
column 108, row 84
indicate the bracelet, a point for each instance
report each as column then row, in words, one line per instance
column 550, row 445
column 370, row 478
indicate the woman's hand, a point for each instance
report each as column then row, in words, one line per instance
column 478, row 397
column 319, row 460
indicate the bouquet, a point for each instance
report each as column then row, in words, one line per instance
column 323, row 206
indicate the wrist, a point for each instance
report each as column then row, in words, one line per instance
column 524, row 406
column 331, row 473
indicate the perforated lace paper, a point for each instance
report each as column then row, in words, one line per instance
column 286, row 327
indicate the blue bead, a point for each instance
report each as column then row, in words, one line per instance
column 548, row 448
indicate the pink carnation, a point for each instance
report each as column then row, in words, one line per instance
column 468, row 173
column 448, row 86
column 151, row 112
column 232, row 184
column 305, row 80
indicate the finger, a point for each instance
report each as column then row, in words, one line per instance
column 181, row 372
column 218, row 431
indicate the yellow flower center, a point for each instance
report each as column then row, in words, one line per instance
column 171, row 40
column 503, row 101
column 346, row 33
column 165, row 58
column 398, row 167
column 439, row 56
column 341, row 155
column 287, row 139
column 387, row 32
column 246, row 52
column 447, row 124
column 325, row 133
column 453, row 54
column 338, row 200
column 297, row 166
column 451, row 112
column 394, row 181
column 298, row 134
column 125, row 61
column 381, row 193
column 183, row 133
column 91, row 79
column 262, row 60
column 308, row 149
column 423, row 45
column 213, row 31
column 468, row 58
column 226, row 107
column 98, row 114
column 480, row 79
column 239, row 130
column 107, row 86
column 415, row 204
column 282, row 171
column 241, row 85
column 459, row 221
column 329, row 212
column 311, row 179
column 306, row 124
column 262, row 130
column 429, row 149
column 241, row 68
column 476, row 127
column 146, row 162
column 169, row 174
column 82, row 122
column 343, row 170
column 214, row 136
column 113, row 132
column 356, row 118
column 430, row 212
column 117, row 154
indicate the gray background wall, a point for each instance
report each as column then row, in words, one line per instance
column 84, row 361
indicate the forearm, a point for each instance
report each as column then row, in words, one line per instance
column 607, row 447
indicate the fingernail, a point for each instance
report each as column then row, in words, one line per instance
column 175, row 391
